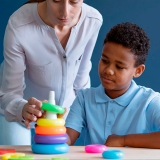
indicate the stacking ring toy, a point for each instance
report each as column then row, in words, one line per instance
column 112, row 154
column 95, row 148
column 52, row 108
column 50, row 148
column 50, row 130
column 50, row 139
column 50, row 122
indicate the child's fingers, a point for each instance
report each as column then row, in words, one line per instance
column 65, row 111
column 61, row 115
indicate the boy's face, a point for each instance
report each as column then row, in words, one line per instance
column 116, row 69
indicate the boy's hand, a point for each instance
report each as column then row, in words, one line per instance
column 61, row 115
column 115, row 141
column 31, row 111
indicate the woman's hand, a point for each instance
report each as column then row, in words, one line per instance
column 58, row 115
column 115, row 141
column 31, row 111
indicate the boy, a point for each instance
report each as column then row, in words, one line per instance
column 118, row 113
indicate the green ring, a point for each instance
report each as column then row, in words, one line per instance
column 60, row 158
column 52, row 108
column 21, row 158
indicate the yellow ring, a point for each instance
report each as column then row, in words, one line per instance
column 50, row 122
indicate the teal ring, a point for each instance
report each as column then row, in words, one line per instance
column 50, row 148
column 113, row 154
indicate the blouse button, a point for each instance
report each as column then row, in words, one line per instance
column 64, row 56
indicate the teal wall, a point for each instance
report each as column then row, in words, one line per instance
column 7, row 7
column 145, row 13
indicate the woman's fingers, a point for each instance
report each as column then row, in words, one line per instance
column 34, row 101
column 44, row 101
column 31, row 117
column 34, row 111
column 44, row 114
column 26, row 123
column 31, row 111
column 35, row 106
column 39, row 108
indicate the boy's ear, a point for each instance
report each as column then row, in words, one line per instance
column 139, row 70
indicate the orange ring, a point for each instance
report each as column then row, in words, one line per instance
column 50, row 130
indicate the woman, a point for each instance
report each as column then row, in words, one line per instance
column 47, row 46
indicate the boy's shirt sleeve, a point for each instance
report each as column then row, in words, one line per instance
column 153, row 114
column 76, row 118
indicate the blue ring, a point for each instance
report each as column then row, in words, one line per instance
column 50, row 148
column 112, row 154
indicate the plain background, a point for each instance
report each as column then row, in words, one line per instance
column 144, row 13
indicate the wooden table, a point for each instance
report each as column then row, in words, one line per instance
column 77, row 152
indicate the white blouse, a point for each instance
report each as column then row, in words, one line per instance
column 36, row 63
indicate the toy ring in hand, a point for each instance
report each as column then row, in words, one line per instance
column 52, row 108
column 95, row 148
column 50, row 122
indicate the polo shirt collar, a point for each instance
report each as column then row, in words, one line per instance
column 123, row 100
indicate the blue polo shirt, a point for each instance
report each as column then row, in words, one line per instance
column 136, row 111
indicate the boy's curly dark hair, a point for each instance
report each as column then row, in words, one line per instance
column 131, row 36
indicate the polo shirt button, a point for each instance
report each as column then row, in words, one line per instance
column 111, row 101
column 111, row 111
column 109, row 123
column 64, row 56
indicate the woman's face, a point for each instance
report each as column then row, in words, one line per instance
column 63, row 12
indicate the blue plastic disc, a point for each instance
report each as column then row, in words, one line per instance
column 50, row 148
column 112, row 154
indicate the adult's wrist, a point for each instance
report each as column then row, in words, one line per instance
column 20, row 110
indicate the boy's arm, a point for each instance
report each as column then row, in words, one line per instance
column 72, row 136
column 76, row 120
column 145, row 140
